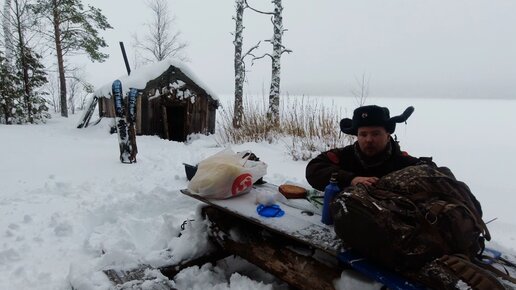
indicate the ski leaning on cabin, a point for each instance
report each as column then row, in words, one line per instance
column 131, row 120
column 125, row 124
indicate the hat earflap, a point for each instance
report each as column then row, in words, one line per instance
column 346, row 126
column 390, row 126
column 404, row 116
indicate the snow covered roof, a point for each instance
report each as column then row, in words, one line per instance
column 141, row 76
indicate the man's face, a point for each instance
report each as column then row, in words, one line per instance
column 372, row 140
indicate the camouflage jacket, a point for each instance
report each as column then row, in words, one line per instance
column 349, row 164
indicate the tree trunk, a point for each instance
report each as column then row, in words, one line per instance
column 6, row 23
column 60, row 60
column 7, row 32
column 24, row 65
column 276, row 64
column 7, row 111
column 239, row 65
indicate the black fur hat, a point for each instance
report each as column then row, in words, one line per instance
column 373, row 116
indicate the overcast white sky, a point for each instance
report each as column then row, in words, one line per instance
column 407, row 48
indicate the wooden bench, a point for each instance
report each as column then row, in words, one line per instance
column 296, row 247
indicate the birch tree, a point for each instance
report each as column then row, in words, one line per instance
column 277, row 50
column 239, row 62
column 161, row 40
column 238, row 110
column 73, row 29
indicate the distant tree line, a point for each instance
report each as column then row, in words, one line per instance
column 31, row 29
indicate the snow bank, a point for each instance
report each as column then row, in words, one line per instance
column 70, row 209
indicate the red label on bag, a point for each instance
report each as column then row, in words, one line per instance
column 241, row 183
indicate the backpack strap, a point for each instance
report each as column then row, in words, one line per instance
column 500, row 261
column 476, row 277
column 478, row 219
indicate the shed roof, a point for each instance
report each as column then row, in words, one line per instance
column 141, row 76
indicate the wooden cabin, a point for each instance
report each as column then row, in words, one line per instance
column 171, row 105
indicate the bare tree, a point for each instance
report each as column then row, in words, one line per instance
column 78, row 90
column 52, row 90
column 361, row 90
column 73, row 88
column 160, row 41
column 239, row 62
column 87, row 90
column 277, row 50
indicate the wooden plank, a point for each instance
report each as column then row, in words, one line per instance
column 108, row 107
column 139, row 114
column 136, row 276
column 270, row 252
column 165, row 122
column 171, row 270
column 134, row 279
column 293, row 225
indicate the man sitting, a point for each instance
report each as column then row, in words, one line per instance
column 373, row 155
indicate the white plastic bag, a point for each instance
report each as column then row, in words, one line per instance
column 226, row 174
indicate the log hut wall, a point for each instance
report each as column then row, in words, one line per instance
column 106, row 107
column 171, row 106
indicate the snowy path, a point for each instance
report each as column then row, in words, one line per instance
column 66, row 199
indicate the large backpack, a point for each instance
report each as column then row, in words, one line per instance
column 411, row 217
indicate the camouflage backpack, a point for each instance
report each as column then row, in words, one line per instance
column 411, row 217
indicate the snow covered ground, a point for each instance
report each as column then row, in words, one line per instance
column 69, row 208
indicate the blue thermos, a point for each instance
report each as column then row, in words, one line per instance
column 329, row 193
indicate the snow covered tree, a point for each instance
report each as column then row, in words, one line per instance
column 160, row 41
column 10, row 95
column 72, row 30
column 23, row 63
column 28, row 62
column 32, row 74
column 6, row 82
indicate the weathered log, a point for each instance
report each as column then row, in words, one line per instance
column 172, row 270
column 270, row 252
column 137, row 275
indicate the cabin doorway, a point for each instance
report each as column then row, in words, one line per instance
column 176, row 117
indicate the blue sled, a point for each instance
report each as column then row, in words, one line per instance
column 386, row 277
column 492, row 254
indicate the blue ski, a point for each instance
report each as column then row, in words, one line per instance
column 120, row 122
column 131, row 120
